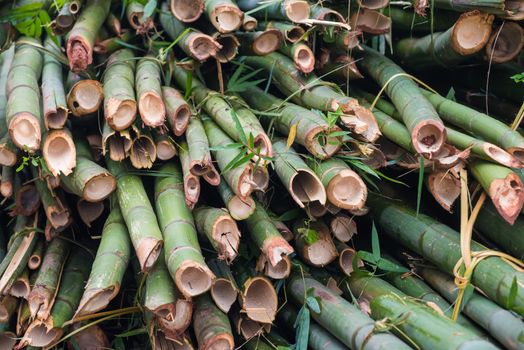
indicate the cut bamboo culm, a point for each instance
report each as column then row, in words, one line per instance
column 191, row 181
column 313, row 243
column 177, row 110
column 225, row 15
column 187, row 10
column 200, row 161
column 211, row 325
column 149, row 92
column 224, row 290
column 53, row 94
column 59, row 152
column 85, row 96
column 505, row 43
column 238, row 208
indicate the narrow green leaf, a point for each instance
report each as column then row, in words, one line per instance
column 512, row 293
column 386, row 265
column 420, row 183
column 367, row 257
column 239, row 162
column 238, row 126
column 375, row 245
column 468, row 293
column 302, row 328
column 189, row 84
column 149, row 9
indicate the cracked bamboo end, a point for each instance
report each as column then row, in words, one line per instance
column 297, row 10
column 471, row 32
column 152, row 109
column 428, row 137
column 449, row 156
column 40, row 334
column 445, row 188
column 322, row 252
column 508, row 196
column 347, row 190
column 505, row 43
column 148, row 251
column 500, row 156
column 143, row 152
column 89, row 211
column 229, row 47
column 174, row 318
column 279, row 271
column 306, row 187
column 119, row 146
column 276, row 249
column 59, row 152
column 226, row 234
column 226, row 18
column 187, row 10
column 56, row 119
column 85, row 97
column 248, row 328
column 245, row 182
column 25, row 132
column 343, row 227
column 304, row 59
column 59, row 218
column 224, row 294
column 259, row 300
column 79, row 54
column 120, row 114
column 94, row 300
column 193, row 278
column 263, row 142
column 202, row 46
column 241, row 209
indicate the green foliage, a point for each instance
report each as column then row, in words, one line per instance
column 30, row 19
column 309, row 236
column 149, row 9
column 239, row 83
column 518, row 78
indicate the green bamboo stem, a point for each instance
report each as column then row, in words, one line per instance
column 165, row 146
column 501, row 8
column 500, row 323
column 387, row 302
column 288, row 10
column 42, row 333
column 148, row 91
column 6, row 59
column 344, row 187
column 224, row 290
column 55, row 208
column 238, row 208
column 177, row 110
column 110, row 45
column 318, row 337
column 53, row 94
column 407, row 21
column 22, row 111
column 440, row 244
column 200, row 161
column 224, row 15
column 182, row 251
column 259, row 42
column 427, row 131
column 479, row 124
column 111, row 261
column 211, row 325
column 503, row 186
column 42, row 295
column 36, row 256
column 187, row 11
column 59, row 152
column 291, row 32
column 266, row 236
column 220, row 229
column 342, row 68
column 85, row 95
column 415, row 287
column 238, row 177
column 319, row 251
column 194, row 43
column 138, row 214
column 191, row 181
column 345, row 321
column 301, row 182
column 135, row 17
column 170, row 308
column 119, row 90
column 448, row 48
column 81, row 38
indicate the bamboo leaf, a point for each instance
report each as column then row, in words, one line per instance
column 238, row 126
column 238, row 162
column 308, row 235
column 290, row 215
column 367, row 257
column 451, row 94
column 513, row 291
column 302, row 328
column 375, row 245
column 468, row 293
column 149, row 9
column 386, row 265
column 291, row 136
column 189, row 84
column 132, row 332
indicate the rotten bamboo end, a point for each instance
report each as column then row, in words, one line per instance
column 224, row 294
column 508, row 196
column 79, row 53
column 471, row 32
column 229, row 47
column 428, row 137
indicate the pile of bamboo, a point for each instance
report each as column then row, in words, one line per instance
column 191, row 173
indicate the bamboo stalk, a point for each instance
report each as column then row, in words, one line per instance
column 149, row 92
column 440, row 245
column 138, row 215
column 119, row 90
column 113, row 24
column 6, row 184
column 59, row 152
column 238, row 208
column 23, row 114
column 220, row 229
column 8, row 151
column 200, row 161
column 82, row 36
column 211, row 325
column 85, row 96
column 503, row 186
column 406, row 21
column 343, row 227
column 21, row 287
column 89, row 180
column 289, row 10
column 6, row 61
column 177, row 110
column 505, row 43
column 318, row 250
column 260, row 42
column 165, row 146
column 301, row 182
column 427, row 131
column 55, row 208
column 53, row 94
column 191, row 181
column 225, row 15
column 182, row 251
column 187, row 10
column 291, row 32
column 224, row 290
column 43, row 293
column 171, row 309
column 266, row 236
column 301, row 54
column 111, row 261
column 468, row 36
column 35, row 260
column 345, row 321
column 194, row 43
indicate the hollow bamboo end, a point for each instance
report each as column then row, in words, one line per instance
column 19, row 289
column 7, row 156
column 276, row 249
column 119, row 147
column 212, row 177
column 261, row 178
column 85, row 97
column 226, row 18
column 471, row 32
column 59, row 218
column 505, row 43
column 294, row 34
column 249, row 329
column 165, row 150
column 279, row 271
column 297, row 10
column 321, row 253
column 148, row 252
column 371, row 21
column 445, row 188
column 143, row 152
column 267, row 42
column 34, row 262
column 304, row 59
column 191, row 189
column 428, row 137
column 152, row 109
column 96, row 300
column 180, row 119
column 249, row 24
column 6, row 188
column 343, row 228
column 229, row 47
column 41, row 334
column 222, row 341
column 59, row 152
column 345, row 260
column 120, row 114
column 259, row 300
column 187, row 10
column 262, row 142
column 305, row 187
column 245, row 182
column 89, row 211
column 505, row 158
column 27, row 200
column 193, row 279
column 241, row 209
column 224, row 294
column 373, row 4
column 202, row 46
column 25, row 131
column 226, row 234
column 56, row 119
column 508, row 196
column 347, row 190
column 99, row 187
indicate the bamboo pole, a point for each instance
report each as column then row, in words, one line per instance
column 191, row 181
column 27, row 200
column 53, row 94
column 85, row 95
column 291, row 32
column 238, row 208
column 177, row 110
column 35, row 260
column 182, row 251
column 138, row 214
column 200, row 161
column 301, row 54
column 211, row 325
column 225, row 15
column 111, row 261
column 59, row 152
column 149, row 93
column 260, row 42
column 187, row 10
